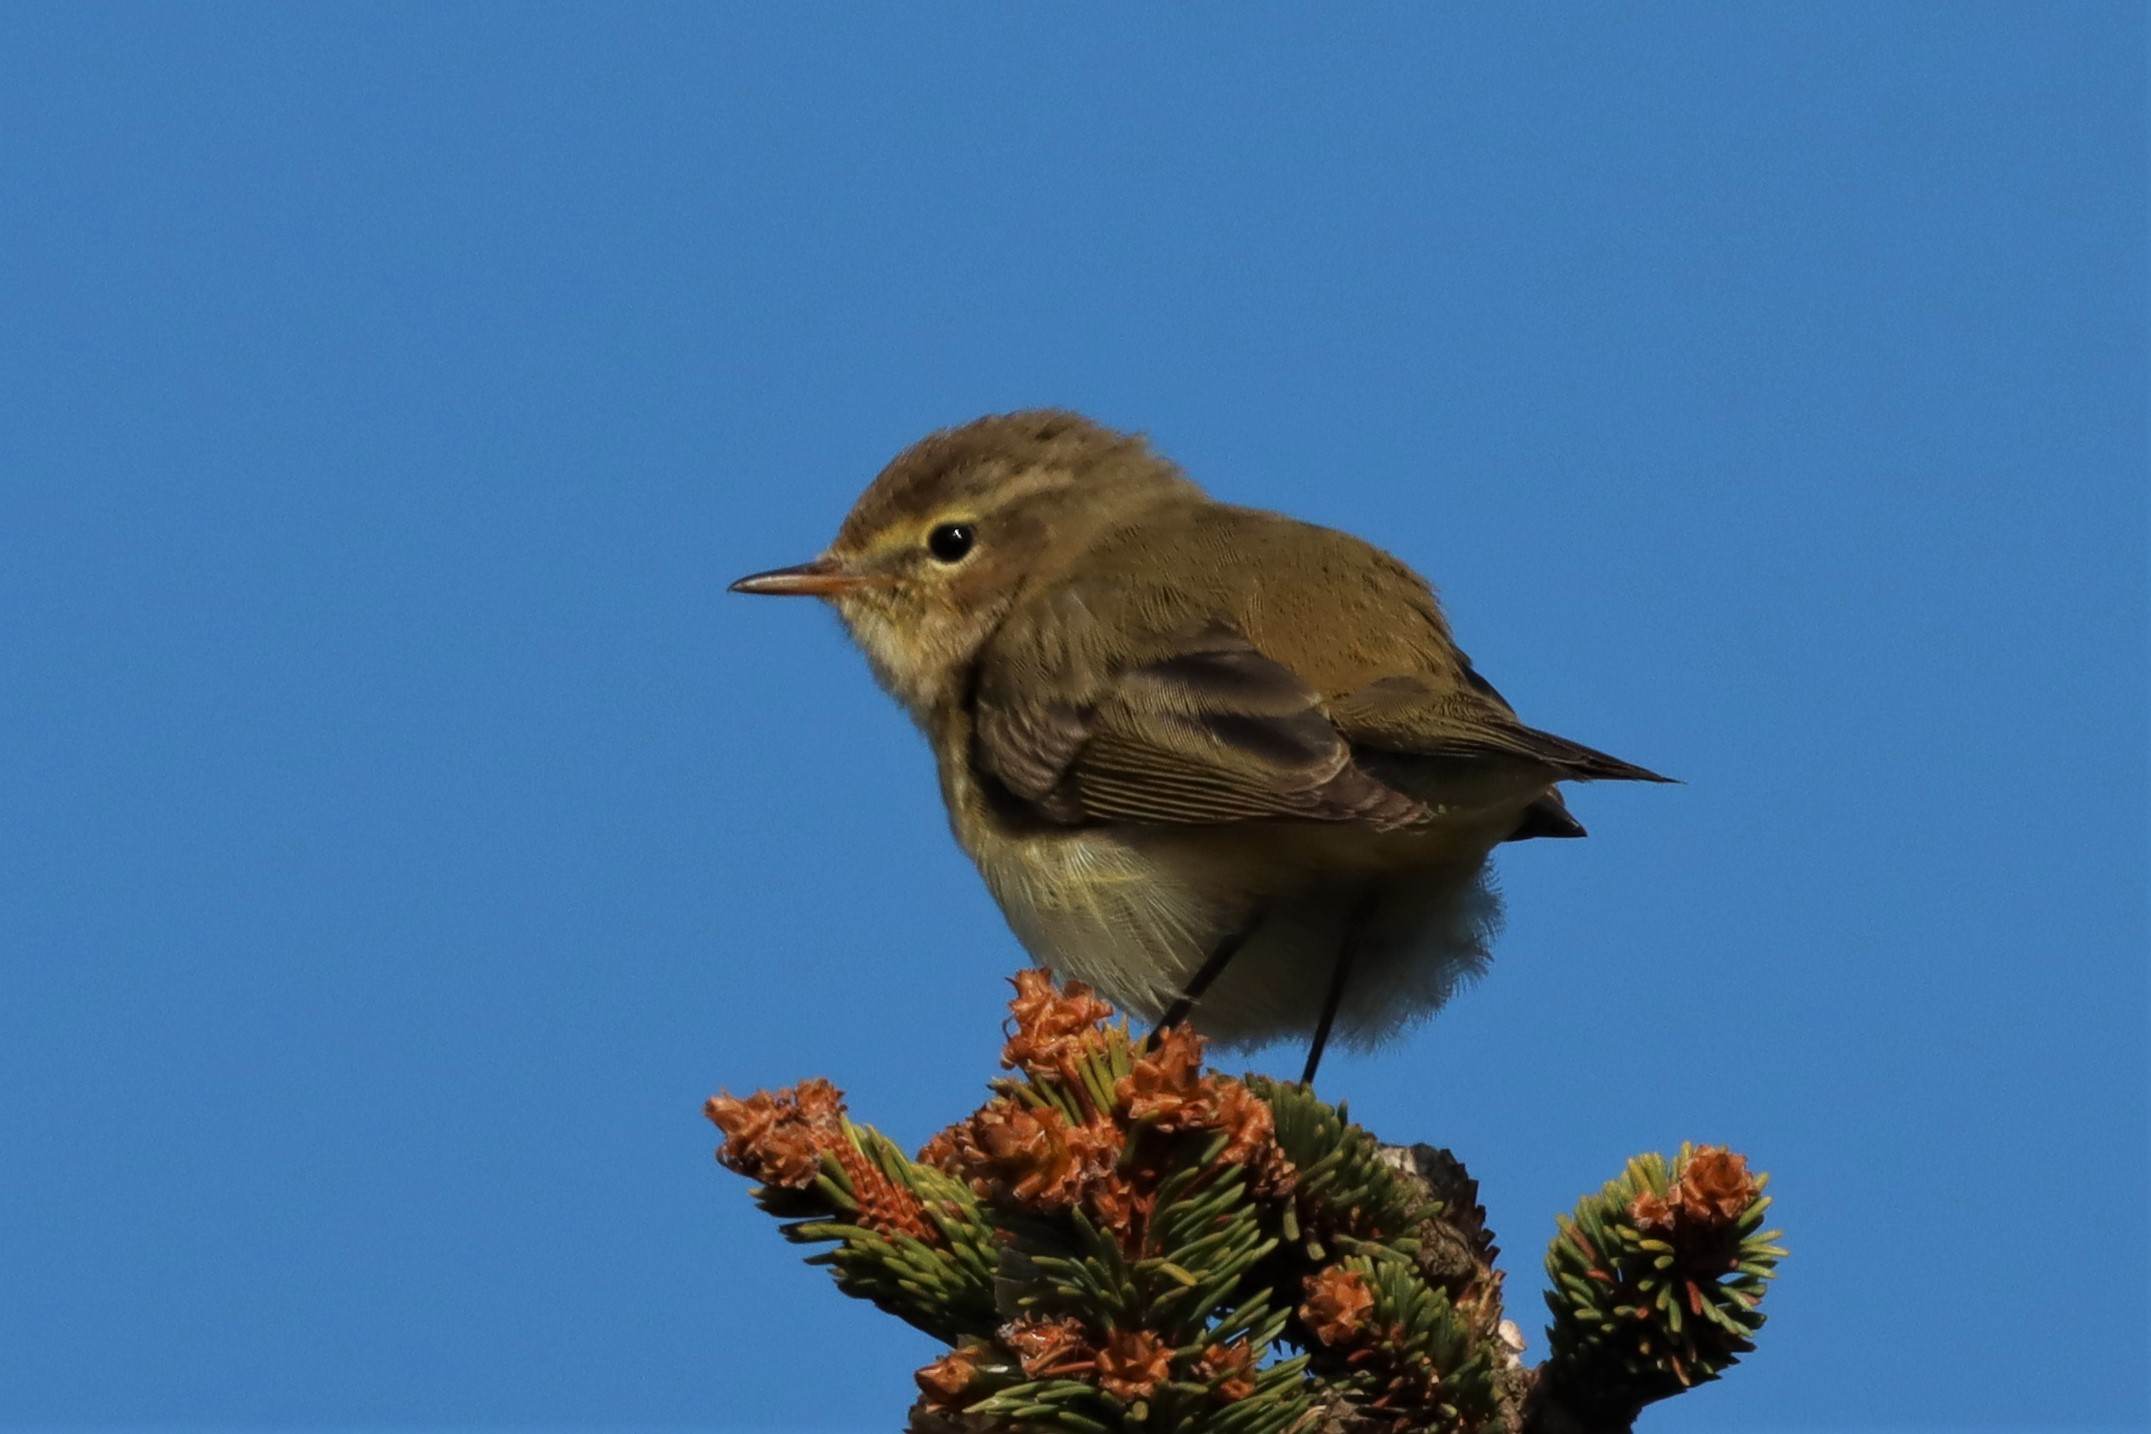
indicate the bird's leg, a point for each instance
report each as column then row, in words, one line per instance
column 1355, row 927
column 1213, row 966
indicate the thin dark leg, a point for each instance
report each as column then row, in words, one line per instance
column 1213, row 966
column 1355, row 926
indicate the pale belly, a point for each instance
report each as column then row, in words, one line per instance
column 1134, row 910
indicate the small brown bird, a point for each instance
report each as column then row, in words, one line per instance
column 1207, row 758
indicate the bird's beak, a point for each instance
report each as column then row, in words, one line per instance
column 824, row 577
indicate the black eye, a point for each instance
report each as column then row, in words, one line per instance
column 948, row 542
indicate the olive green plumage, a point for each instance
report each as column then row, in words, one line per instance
column 1163, row 722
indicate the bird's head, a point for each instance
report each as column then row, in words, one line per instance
column 941, row 544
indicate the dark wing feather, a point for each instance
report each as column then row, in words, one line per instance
column 1548, row 816
column 1209, row 730
column 1426, row 717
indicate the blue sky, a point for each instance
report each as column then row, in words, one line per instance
column 403, row 832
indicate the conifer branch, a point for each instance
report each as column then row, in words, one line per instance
column 1119, row 1240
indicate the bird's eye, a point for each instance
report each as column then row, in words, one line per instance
column 949, row 542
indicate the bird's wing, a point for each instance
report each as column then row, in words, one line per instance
column 1547, row 816
column 1429, row 716
column 1202, row 728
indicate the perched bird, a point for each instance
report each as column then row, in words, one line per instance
column 1208, row 759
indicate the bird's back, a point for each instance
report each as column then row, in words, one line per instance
column 1333, row 608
